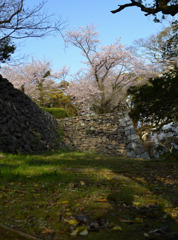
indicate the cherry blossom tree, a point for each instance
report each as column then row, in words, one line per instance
column 110, row 71
column 36, row 79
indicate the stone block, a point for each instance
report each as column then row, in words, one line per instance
column 133, row 137
column 131, row 154
column 132, row 145
column 123, row 124
column 145, row 155
column 132, row 131
column 129, row 127
column 126, row 119
column 139, row 151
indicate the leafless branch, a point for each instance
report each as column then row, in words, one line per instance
column 160, row 6
column 18, row 21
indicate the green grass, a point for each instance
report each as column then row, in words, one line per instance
column 40, row 194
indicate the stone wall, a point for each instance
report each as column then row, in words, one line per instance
column 162, row 141
column 24, row 127
column 107, row 134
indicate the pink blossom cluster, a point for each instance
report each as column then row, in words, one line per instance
column 34, row 77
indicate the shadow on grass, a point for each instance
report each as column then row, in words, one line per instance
column 151, row 171
column 126, row 185
column 8, row 166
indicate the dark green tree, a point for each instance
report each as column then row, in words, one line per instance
column 155, row 104
column 6, row 49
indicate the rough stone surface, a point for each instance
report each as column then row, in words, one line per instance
column 24, row 127
column 161, row 141
column 107, row 134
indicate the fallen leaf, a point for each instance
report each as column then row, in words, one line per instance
column 136, row 203
column 48, row 231
column 101, row 200
column 126, row 220
column 77, row 205
column 82, row 183
column 84, row 232
column 68, row 214
column 111, row 224
column 82, row 228
column 73, row 222
column 173, row 214
column 117, row 228
column 74, row 233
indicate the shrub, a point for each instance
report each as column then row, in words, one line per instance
column 57, row 112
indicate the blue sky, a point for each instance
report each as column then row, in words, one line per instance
column 130, row 24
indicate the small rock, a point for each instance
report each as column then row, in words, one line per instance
column 82, row 219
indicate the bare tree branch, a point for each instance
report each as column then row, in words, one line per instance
column 18, row 21
column 14, row 14
column 159, row 6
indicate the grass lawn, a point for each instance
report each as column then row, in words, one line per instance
column 70, row 195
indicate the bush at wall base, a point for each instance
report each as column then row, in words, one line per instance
column 56, row 112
